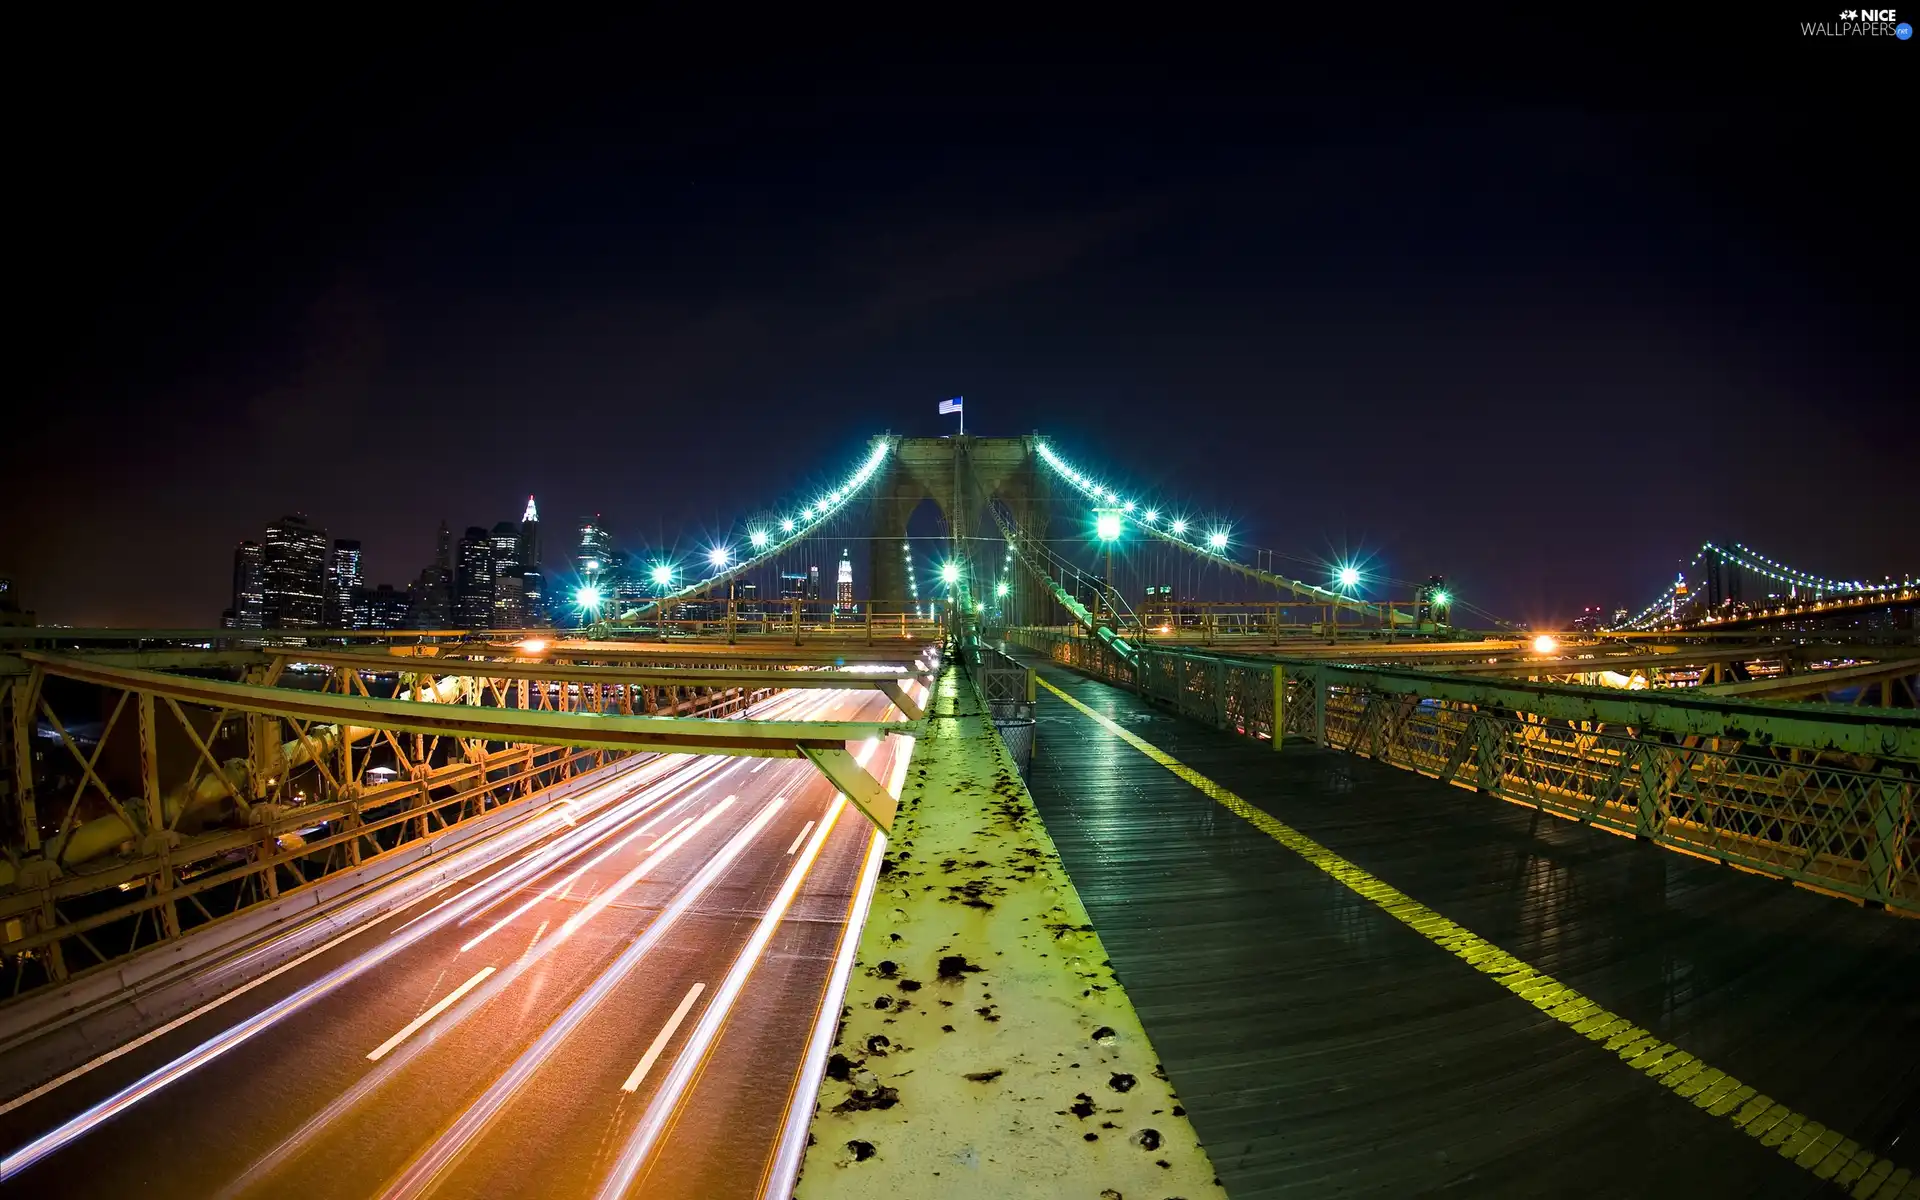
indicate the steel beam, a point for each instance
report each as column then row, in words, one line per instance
column 772, row 655
column 537, row 670
column 856, row 784
column 1680, row 712
column 691, row 735
column 896, row 691
column 1816, row 683
column 1888, row 734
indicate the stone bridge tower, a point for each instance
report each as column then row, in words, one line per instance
column 957, row 474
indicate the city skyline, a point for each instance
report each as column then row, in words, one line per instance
column 298, row 576
column 1338, row 294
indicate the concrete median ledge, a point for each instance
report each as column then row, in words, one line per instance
column 985, row 1046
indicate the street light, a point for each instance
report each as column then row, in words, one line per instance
column 1106, row 527
column 662, row 574
column 1217, row 539
column 1179, row 527
column 1349, row 577
column 587, row 597
column 719, row 556
column 759, row 539
column 786, row 526
column 1153, row 515
column 1002, row 588
column 950, row 572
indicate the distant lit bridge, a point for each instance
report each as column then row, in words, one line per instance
column 723, row 889
column 1718, row 595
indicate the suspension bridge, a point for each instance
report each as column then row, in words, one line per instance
column 1087, row 850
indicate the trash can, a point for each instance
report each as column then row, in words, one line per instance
column 1017, row 733
column 1010, row 710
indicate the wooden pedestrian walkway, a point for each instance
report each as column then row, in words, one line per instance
column 1363, row 981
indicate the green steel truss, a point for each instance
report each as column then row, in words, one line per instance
column 1822, row 795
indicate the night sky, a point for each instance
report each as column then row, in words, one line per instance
column 1539, row 308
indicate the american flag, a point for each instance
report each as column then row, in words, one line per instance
column 951, row 406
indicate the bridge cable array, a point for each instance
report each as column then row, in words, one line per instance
column 1218, row 541
column 767, row 540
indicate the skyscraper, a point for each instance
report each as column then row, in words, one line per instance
column 249, row 586
column 343, row 576
column 534, row 593
column 593, row 556
column 509, row 594
column 473, row 581
column 813, row 583
column 629, row 584
column 433, row 592
column 843, row 587
column 294, row 568
column 380, row 608
column 793, row 585
column 530, row 533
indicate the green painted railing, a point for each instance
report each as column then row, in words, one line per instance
column 1822, row 795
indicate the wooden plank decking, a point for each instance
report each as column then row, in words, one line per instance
column 1323, row 1047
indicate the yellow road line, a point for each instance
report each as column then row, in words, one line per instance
column 1805, row 1142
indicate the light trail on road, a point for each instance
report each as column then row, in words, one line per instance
column 566, row 986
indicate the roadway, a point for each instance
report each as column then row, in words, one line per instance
column 632, row 1000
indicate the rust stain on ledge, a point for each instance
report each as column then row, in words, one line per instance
column 985, row 1047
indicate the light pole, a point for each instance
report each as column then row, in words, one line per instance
column 1106, row 527
column 662, row 575
column 587, row 596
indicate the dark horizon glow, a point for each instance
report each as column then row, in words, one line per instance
column 1540, row 328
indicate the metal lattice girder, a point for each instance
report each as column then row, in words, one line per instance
column 540, row 671
column 1816, row 683
column 1850, row 730
column 1777, row 788
column 439, row 788
column 893, row 686
column 1524, row 662
column 691, row 735
column 764, row 656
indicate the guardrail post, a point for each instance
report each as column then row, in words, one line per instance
column 159, row 837
column 1279, row 704
column 26, row 703
column 1217, row 672
column 1883, row 852
column 1488, row 741
column 1322, row 695
column 1030, row 685
column 1647, row 821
